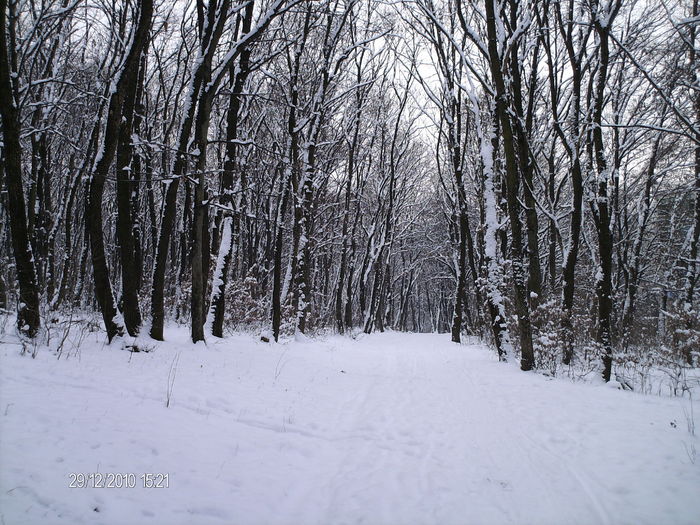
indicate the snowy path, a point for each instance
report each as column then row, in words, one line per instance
column 390, row 429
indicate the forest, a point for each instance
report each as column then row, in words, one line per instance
column 334, row 262
column 525, row 172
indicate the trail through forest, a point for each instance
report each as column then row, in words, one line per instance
column 389, row 428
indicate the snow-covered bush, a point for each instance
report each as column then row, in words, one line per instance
column 245, row 309
column 684, row 327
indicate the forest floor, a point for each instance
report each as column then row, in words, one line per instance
column 383, row 429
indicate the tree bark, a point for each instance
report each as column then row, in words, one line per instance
column 600, row 207
column 693, row 263
column 287, row 183
column 93, row 209
column 522, row 128
column 28, row 318
column 239, row 76
column 130, row 267
column 201, row 71
column 512, row 180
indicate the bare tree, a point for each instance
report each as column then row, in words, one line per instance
column 28, row 320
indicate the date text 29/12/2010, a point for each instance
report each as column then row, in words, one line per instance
column 118, row 480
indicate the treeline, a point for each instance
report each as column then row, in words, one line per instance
column 528, row 172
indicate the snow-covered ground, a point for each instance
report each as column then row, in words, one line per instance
column 387, row 429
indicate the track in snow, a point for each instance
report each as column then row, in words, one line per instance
column 388, row 429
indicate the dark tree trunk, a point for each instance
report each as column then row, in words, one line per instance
column 377, row 286
column 28, row 320
column 341, row 291
column 464, row 239
column 600, row 207
column 119, row 96
column 694, row 264
column 239, row 76
column 351, row 259
column 522, row 128
column 512, row 186
column 130, row 264
column 277, row 262
column 287, row 183
column 571, row 144
column 552, row 226
column 202, row 70
column 461, row 291
column 200, row 258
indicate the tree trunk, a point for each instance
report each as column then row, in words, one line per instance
column 239, row 76
column 28, row 320
column 130, row 267
column 600, row 207
column 522, row 127
column 287, row 183
column 119, row 96
column 693, row 263
column 512, row 185
column 202, row 70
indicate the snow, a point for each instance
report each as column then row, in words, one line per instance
column 389, row 428
column 217, row 281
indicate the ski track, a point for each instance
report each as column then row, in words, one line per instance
column 387, row 429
